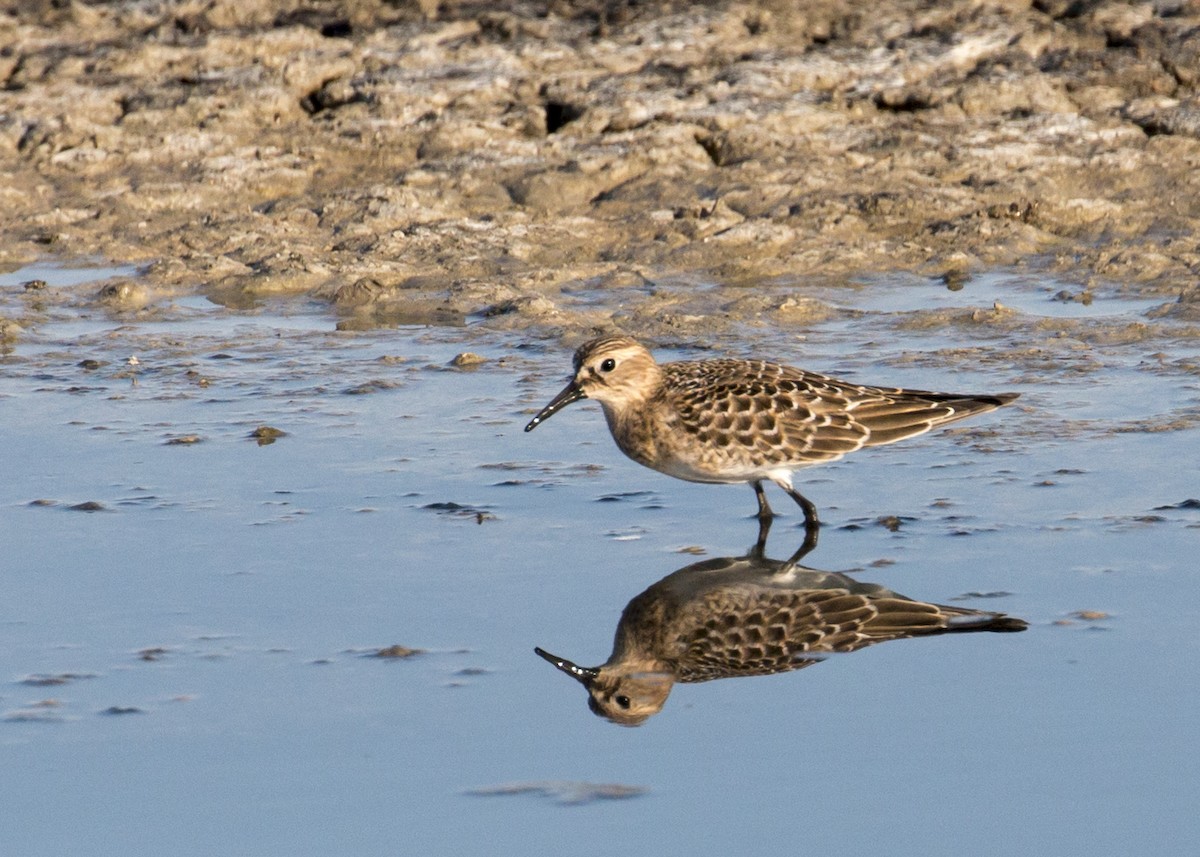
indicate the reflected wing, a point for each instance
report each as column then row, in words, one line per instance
column 730, row 634
column 740, row 632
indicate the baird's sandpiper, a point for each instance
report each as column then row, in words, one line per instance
column 750, row 421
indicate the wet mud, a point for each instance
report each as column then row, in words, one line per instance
column 670, row 169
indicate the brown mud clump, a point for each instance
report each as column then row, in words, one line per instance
column 434, row 160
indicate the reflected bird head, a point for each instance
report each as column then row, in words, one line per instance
column 616, row 371
column 625, row 698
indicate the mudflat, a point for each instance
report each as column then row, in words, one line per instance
column 432, row 161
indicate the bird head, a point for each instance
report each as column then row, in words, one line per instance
column 616, row 371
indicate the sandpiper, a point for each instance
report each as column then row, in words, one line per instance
column 732, row 421
column 747, row 616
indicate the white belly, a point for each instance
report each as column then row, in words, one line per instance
column 728, row 474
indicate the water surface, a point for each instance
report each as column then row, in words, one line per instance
column 188, row 617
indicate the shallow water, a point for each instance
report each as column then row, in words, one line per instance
column 187, row 668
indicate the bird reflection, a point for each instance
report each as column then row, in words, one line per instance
column 747, row 616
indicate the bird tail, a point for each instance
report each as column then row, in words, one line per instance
column 914, row 412
column 900, row 617
column 998, row 622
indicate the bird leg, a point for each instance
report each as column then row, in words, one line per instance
column 764, row 508
column 765, row 516
column 812, row 527
column 810, row 510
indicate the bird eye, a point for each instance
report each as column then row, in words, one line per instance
column 623, row 701
column 608, row 365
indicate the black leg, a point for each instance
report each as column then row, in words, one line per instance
column 812, row 527
column 810, row 511
column 764, row 508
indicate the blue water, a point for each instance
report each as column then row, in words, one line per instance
column 257, row 580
